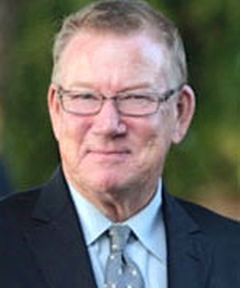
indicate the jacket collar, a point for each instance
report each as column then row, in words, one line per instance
column 56, row 239
column 189, row 249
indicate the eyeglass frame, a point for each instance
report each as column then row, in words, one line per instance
column 161, row 98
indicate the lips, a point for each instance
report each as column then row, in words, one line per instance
column 108, row 152
column 105, row 156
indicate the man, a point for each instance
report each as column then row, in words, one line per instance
column 118, row 101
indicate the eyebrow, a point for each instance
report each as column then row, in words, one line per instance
column 80, row 84
column 144, row 85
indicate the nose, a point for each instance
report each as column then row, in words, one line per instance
column 108, row 121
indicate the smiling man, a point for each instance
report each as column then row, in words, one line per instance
column 111, row 116
column 118, row 101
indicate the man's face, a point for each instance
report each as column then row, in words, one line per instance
column 108, row 151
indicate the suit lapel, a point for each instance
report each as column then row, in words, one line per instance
column 189, row 252
column 56, row 239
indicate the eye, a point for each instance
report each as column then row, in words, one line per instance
column 84, row 97
column 138, row 98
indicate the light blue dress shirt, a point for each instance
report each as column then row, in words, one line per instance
column 150, row 249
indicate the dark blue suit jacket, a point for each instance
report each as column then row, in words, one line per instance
column 42, row 243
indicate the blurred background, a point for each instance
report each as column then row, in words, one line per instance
column 204, row 168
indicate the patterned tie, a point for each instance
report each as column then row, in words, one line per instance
column 121, row 272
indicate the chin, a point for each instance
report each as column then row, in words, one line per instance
column 107, row 183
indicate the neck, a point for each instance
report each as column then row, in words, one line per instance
column 120, row 204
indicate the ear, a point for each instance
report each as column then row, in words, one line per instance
column 54, row 110
column 185, row 108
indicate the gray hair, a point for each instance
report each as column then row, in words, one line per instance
column 123, row 17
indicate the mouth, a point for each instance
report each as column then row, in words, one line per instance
column 108, row 155
column 108, row 152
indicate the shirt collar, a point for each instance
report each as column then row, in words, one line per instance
column 147, row 225
column 93, row 221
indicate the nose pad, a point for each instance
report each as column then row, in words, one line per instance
column 108, row 121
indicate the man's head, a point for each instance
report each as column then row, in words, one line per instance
column 117, row 103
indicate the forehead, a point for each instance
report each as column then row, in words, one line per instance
column 89, row 55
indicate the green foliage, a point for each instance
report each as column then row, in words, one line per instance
column 209, row 157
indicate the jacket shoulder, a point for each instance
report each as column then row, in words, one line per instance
column 211, row 222
column 18, row 207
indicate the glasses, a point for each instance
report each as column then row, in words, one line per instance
column 127, row 104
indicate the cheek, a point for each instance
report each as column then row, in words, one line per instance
column 72, row 133
column 154, row 141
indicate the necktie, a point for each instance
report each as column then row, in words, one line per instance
column 121, row 272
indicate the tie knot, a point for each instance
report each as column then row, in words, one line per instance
column 119, row 235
